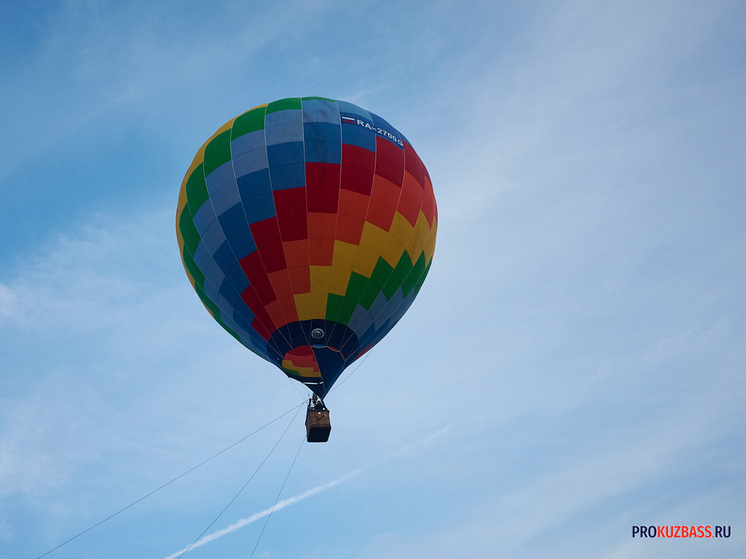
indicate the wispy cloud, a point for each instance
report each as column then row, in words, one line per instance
column 256, row 516
column 424, row 442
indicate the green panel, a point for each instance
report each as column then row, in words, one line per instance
column 419, row 283
column 215, row 311
column 403, row 267
column 196, row 190
column 217, row 152
column 193, row 269
column 333, row 306
column 340, row 309
column 378, row 278
column 414, row 275
column 188, row 231
column 250, row 121
column 284, row 105
column 318, row 98
column 356, row 286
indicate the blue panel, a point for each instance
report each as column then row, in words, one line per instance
column 324, row 152
column 237, row 278
column 323, row 142
column 242, row 243
column 358, row 136
column 260, row 207
column 219, row 177
column 202, row 257
column 213, row 237
column 250, row 161
column 204, row 217
column 253, row 184
column 233, row 220
column 225, row 198
column 214, row 276
column 247, row 142
column 322, row 131
column 246, row 325
column 378, row 122
column 231, row 296
column 210, row 290
column 288, row 176
column 280, row 118
column 225, row 258
column 318, row 110
column 284, row 126
column 284, row 154
column 353, row 110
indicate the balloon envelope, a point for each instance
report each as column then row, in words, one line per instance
column 307, row 227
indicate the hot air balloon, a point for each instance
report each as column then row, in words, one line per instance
column 307, row 227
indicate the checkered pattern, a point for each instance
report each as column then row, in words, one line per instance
column 307, row 227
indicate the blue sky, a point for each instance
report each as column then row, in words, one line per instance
column 573, row 366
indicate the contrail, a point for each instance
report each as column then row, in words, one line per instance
column 310, row 493
column 256, row 516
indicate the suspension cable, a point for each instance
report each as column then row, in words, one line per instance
column 277, row 499
column 133, row 503
column 244, row 485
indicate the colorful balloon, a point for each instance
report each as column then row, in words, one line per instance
column 307, row 227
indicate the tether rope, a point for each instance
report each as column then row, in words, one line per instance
column 133, row 503
column 277, row 499
column 244, row 485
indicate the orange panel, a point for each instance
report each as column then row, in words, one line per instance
column 321, row 225
column 300, row 279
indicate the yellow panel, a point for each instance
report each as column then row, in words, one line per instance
column 430, row 244
column 344, row 255
column 320, row 278
column 401, row 230
column 411, row 246
column 392, row 251
column 303, row 305
column 373, row 238
column 423, row 233
column 301, row 371
column 200, row 157
column 339, row 280
column 365, row 261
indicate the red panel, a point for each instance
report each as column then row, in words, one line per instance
column 273, row 258
column 269, row 244
column 290, row 201
column 280, row 281
column 349, row 229
column 262, row 322
column 266, row 232
column 262, row 330
column 357, row 168
column 383, row 201
column 293, row 227
column 389, row 161
column 322, row 185
column 353, row 204
column 413, row 164
column 275, row 313
column 300, row 279
column 411, row 199
column 254, row 269
column 322, row 251
column 428, row 204
column 321, row 225
column 296, row 253
column 287, row 306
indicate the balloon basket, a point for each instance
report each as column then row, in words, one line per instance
column 318, row 424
